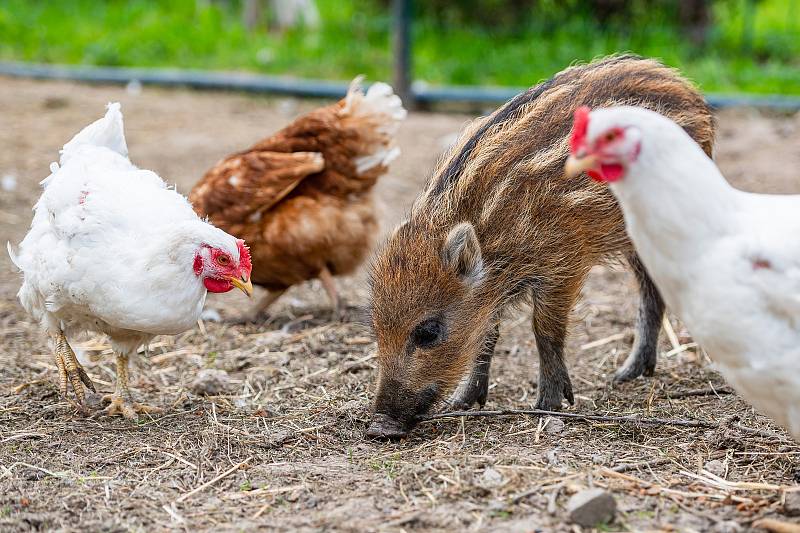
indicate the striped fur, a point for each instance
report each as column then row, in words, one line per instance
column 539, row 232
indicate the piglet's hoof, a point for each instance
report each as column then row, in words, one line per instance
column 386, row 427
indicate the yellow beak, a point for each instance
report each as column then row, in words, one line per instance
column 244, row 284
column 575, row 165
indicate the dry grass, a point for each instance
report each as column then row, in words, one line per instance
column 283, row 447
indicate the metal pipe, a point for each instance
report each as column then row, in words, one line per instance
column 401, row 48
column 258, row 83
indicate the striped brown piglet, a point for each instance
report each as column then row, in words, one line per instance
column 498, row 224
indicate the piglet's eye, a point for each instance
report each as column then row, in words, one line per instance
column 224, row 260
column 428, row 333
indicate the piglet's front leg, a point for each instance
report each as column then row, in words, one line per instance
column 476, row 388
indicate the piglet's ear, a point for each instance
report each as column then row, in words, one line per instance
column 461, row 253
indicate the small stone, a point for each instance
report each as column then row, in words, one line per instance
column 491, row 478
column 551, row 457
column 716, row 467
column 791, row 506
column 727, row 526
column 554, row 426
column 591, row 507
column 210, row 382
column 599, row 459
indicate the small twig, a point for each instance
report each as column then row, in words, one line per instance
column 680, row 349
column 586, row 417
column 550, row 483
column 635, row 466
column 758, row 432
column 719, row 483
column 19, row 436
column 604, row 340
column 634, row 420
column 710, row 391
column 673, row 338
column 28, row 465
column 204, row 486
column 777, row 526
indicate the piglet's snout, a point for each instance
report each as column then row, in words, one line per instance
column 385, row 427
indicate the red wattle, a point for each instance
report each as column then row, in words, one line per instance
column 612, row 173
column 217, row 285
column 595, row 175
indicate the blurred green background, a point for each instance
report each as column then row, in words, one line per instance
column 726, row 46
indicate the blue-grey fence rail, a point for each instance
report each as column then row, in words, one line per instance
column 288, row 86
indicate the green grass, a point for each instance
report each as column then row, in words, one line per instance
column 762, row 57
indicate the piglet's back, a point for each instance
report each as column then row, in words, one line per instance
column 505, row 174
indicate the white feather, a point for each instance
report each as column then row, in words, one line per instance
column 382, row 111
column 111, row 247
column 727, row 262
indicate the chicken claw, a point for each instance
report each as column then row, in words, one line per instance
column 121, row 401
column 120, row 405
column 70, row 371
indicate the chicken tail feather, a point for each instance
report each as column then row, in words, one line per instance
column 381, row 112
column 105, row 132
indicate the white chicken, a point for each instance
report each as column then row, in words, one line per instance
column 727, row 262
column 111, row 249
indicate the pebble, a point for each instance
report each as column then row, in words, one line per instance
column 491, row 478
column 554, row 426
column 551, row 457
column 791, row 506
column 716, row 467
column 210, row 382
column 591, row 507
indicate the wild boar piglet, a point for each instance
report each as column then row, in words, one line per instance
column 497, row 224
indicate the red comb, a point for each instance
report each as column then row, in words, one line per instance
column 579, row 127
column 244, row 256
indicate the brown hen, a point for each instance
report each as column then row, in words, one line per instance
column 302, row 198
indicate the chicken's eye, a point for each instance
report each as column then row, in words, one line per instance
column 610, row 136
column 223, row 260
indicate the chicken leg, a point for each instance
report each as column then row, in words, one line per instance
column 329, row 284
column 70, row 370
column 121, row 401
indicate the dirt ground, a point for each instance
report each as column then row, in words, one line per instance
column 298, row 399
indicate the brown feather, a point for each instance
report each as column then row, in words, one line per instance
column 296, row 197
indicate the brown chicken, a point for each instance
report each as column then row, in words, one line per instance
column 302, row 198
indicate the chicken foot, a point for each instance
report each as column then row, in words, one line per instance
column 70, row 371
column 121, row 401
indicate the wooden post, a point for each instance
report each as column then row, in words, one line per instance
column 401, row 50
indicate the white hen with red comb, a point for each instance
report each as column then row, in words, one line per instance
column 727, row 262
column 113, row 250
